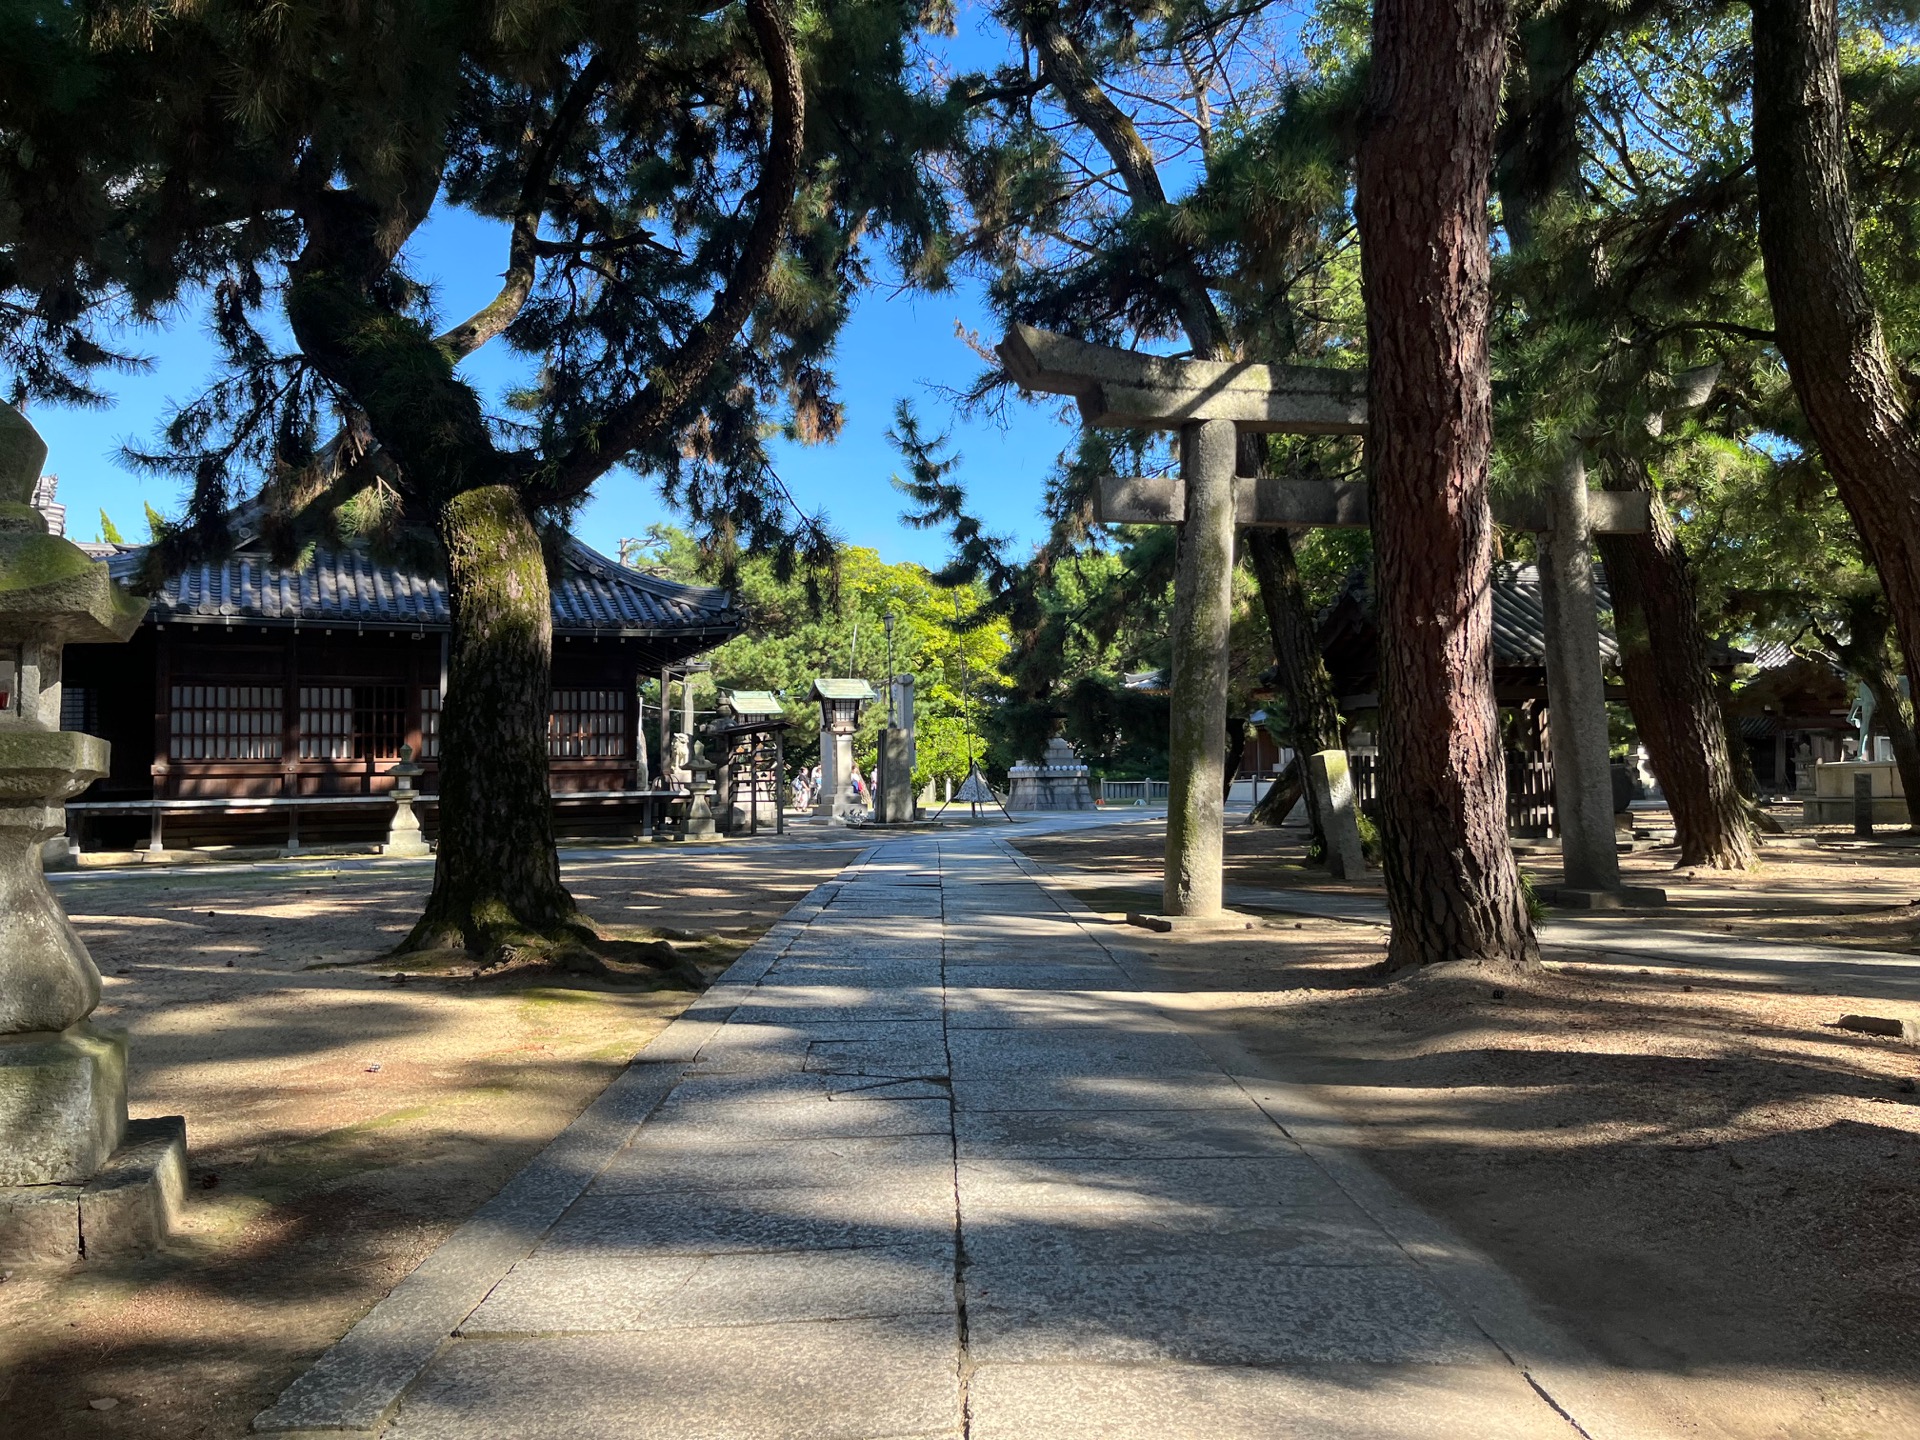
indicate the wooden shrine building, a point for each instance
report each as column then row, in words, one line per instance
column 255, row 682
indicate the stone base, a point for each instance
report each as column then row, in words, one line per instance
column 679, row 837
column 129, row 1208
column 1627, row 897
column 63, row 1104
column 1182, row 924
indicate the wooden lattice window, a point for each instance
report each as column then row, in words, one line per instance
column 352, row 722
column 224, row 722
column 587, row 725
column 430, row 722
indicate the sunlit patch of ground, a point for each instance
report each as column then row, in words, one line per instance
column 1707, row 1180
column 344, row 1113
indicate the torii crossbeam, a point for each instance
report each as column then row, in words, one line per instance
column 1209, row 402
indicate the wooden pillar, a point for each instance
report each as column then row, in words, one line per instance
column 162, row 727
column 1202, row 613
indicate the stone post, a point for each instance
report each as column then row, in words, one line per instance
column 830, row 775
column 1202, row 613
column 1332, row 780
column 1863, row 805
column 75, row 1177
column 895, row 799
column 1576, row 688
column 842, row 800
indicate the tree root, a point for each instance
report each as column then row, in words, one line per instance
column 574, row 947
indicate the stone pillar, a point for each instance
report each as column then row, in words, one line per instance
column 1202, row 612
column 895, row 800
column 831, row 776
column 1332, row 781
column 75, row 1178
column 1576, row 688
column 842, row 772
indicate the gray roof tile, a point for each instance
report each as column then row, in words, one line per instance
column 344, row 585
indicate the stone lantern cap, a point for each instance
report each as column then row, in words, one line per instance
column 859, row 690
column 840, row 702
column 50, row 591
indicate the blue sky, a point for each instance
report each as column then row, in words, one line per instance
column 895, row 346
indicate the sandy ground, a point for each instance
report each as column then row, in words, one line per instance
column 342, row 1118
column 1711, row 1185
column 1828, row 889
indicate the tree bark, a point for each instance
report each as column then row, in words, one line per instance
column 1421, row 201
column 1828, row 330
column 1664, row 665
column 497, row 877
column 1313, row 719
column 1286, row 792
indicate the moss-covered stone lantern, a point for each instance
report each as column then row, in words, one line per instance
column 71, row 1177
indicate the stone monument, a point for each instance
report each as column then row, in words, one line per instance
column 403, row 835
column 894, row 795
column 76, row 1179
column 1056, row 781
column 1332, row 780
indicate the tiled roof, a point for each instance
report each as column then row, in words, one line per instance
column 1520, row 618
column 827, row 688
column 345, row 586
column 754, row 702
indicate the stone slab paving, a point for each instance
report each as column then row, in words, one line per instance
column 938, row 1168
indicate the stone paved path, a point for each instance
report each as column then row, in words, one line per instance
column 944, row 1171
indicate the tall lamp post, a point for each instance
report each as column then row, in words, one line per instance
column 887, row 620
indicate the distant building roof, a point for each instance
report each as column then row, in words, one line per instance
column 835, row 689
column 345, row 586
column 1520, row 618
column 754, row 702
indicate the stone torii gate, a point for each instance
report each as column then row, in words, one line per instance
column 1209, row 402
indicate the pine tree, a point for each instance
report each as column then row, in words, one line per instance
column 680, row 193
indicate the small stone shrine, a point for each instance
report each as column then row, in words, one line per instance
column 76, row 1178
column 1056, row 781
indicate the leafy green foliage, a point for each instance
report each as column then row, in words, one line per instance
column 945, row 636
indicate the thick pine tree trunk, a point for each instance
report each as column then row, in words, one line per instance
column 496, row 882
column 1827, row 327
column 1664, row 665
column 1313, row 719
column 1425, row 160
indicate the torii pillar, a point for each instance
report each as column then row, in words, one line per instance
column 1566, row 520
column 1209, row 402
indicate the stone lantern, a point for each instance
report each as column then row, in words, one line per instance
column 841, row 702
column 75, row 1178
column 403, row 835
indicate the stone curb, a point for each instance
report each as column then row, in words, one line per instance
column 1563, row 1372
column 353, row 1388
